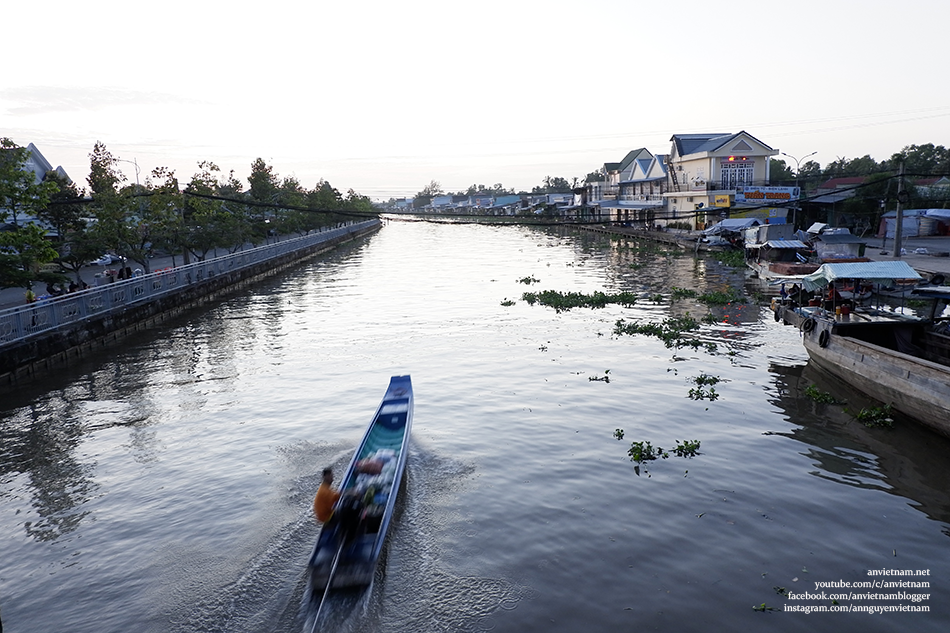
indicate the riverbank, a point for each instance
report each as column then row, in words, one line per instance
column 47, row 334
column 921, row 253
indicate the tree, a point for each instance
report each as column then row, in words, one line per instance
column 264, row 189
column 108, row 207
column 66, row 214
column 22, row 254
column 844, row 167
column 20, row 193
column 553, row 185
column 25, row 249
column 359, row 203
column 779, row 172
column 424, row 197
column 325, row 198
column 809, row 173
column 927, row 159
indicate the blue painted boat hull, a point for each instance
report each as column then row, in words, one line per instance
column 385, row 444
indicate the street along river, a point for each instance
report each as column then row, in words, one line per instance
column 166, row 485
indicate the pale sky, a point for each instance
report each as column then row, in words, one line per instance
column 384, row 97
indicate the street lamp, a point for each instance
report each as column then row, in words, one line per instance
column 798, row 162
column 132, row 162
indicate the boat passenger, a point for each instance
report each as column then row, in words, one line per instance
column 326, row 497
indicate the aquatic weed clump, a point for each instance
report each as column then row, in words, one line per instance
column 720, row 297
column 564, row 301
column 671, row 331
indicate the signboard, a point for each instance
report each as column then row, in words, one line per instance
column 759, row 195
column 722, row 200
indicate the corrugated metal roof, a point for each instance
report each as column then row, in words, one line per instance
column 869, row 271
column 786, row 244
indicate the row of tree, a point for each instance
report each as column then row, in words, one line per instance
column 919, row 161
column 138, row 221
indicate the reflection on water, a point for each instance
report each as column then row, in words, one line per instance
column 38, row 447
column 166, row 485
column 906, row 460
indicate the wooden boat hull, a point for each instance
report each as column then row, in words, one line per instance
column 386, row 441
column 914, row 386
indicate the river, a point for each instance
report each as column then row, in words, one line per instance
column 165, row 485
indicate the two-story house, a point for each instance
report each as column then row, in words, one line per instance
column 705, row 170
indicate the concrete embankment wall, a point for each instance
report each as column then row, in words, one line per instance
column 37, row 355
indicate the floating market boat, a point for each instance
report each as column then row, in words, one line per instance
column 350, row 543
column 894, row 358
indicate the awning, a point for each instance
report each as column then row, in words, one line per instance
column 797, row 244
column 879, row 272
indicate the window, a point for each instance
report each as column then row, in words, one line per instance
column 735, row 174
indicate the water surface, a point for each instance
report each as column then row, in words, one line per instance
column 166, row 485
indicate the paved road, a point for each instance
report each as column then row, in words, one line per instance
column 10, row 297
column 925, row 264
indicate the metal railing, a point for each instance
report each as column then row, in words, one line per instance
column 22, row 322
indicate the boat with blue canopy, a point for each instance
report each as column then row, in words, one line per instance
column 351, row 541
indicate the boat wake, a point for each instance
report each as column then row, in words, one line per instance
column 412, row 591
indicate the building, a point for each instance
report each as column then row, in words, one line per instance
column 705, row 171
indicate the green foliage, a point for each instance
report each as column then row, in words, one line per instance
column 671, row 331
column 529, row 280
column 642, row 452
column 819, row 396
column 780, row 173
column 733, row 258
column 553, row 184
column 507, row 303
column 564, row 301
column 681, row 293
column 705, row 387
column 686, row 448
column 22, row 253
column 876, row 416
column 19, row 191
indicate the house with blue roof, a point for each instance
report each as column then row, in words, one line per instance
column 706, row 170
column 631, row 190
column 506, row 205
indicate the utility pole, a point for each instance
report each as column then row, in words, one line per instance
column 899, row 228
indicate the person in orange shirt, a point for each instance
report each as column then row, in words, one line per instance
column 326, row 497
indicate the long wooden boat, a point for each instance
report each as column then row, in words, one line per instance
column 350, row 543
column 895, row 359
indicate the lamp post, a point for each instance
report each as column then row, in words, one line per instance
column 798, row 162
column 132, row 162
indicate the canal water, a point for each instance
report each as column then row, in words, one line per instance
column 166, row 485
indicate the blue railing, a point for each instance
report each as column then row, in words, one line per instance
column 48, row 314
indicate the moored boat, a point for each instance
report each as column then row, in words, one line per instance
column 894, row 358
column 351, row 542
column 780, row 260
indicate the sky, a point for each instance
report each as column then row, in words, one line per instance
column 385, row 97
